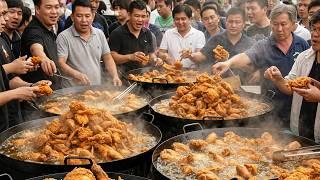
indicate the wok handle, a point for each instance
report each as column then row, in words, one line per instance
column 213, row 118
column 150, row 115
column 269, row 94
column 160, row 79
column 191, row 125
column 77, row 157
column 6, row 174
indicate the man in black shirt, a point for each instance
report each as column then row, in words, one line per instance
column 131, row 42
column 305, row 112
column 10, row 34
column 120, row 7
column 39, row 39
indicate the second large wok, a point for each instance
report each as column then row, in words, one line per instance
column 27, row 169
column 241, row 131
column 171, row 125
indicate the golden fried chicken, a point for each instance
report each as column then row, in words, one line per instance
column 197, row 144
column 99, row 172
column 45, row 89
column 220, row 54
column 36, row 60
column 301, row 82
column 80, row 174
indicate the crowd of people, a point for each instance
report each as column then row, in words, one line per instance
column 269, row 42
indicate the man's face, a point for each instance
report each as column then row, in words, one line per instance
column 137, row 18
column 312, row 11
column 48, row 12
column 210, row 19
column 14, row 16
column 234, row 24
column 163, row 9
column 255, row 12
column 182, row 22
column 82, row 19
column 315, row 36
column 3, row 12
column 94, row 5
column 282, row 27
column 122, row 14
column 303, row 8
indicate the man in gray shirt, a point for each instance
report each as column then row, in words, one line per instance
column 81, row 47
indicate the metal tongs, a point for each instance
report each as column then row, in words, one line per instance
column 124, row 93
column 309, row 152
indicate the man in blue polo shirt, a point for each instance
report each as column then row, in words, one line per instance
column 280, row 50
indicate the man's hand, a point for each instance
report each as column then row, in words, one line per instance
column 254, row 77
column 273, row 74
column 158, row 62
column 21, row 66
column 311, row 95
column 25, row 93
column 48, row 67
column 137, row 56
column 82, row 78
column 116, row 81
column 220, row 67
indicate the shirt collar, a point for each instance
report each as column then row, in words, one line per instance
column 274, row 42
column 143, row 30
column 76, row 33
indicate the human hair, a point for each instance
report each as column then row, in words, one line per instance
column 236, row 11
column 193, row 3
column 37, row 3
column 102, row 7
column 166, row 2
column 123, row 4
column 313, row 3
column 182, row 8
column 26, row 14
column 137, row 4
column 261, row 3
column 283, row 8
column 82, row 3
column 14, row 4
column 208, row 7
column 213, row 3
column 315, row 18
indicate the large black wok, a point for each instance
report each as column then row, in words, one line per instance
column 242, row 131
column 111, row 175
column 24, row 169
column 79, row 89
column 172, row 126
column 153, row 86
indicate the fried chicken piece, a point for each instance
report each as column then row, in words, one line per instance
column 179, row 147
column 80, row 174
column 208, row 176
column 186, row 169
column 45, row 89
column 226, row 152
column 36, row 60
column 220, row 54
column 84, row 133
column 211, row 138
column 40, row 140
column 169, row 155
column 252, row 168
column 75, row 106
column 243, row 171
column 99, row 172
column 301, row 82
column 54, row 126
column 178, row 65
column 293, row 145
column 215, row 156
column 101, row 138
column 81, row 119
column 197, row 144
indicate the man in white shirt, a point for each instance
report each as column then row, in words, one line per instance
column 182, row 40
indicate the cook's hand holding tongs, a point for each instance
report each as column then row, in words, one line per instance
column 309, row 152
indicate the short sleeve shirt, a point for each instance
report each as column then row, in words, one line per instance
column 124, row 42
column 81, row 55
column 258, row 33
column 174, row 43
column 37, row 33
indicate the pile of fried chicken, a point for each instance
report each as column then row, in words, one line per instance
column 82, row 131
column 96, row 173
column 171, row 74
column 301, row 82
column 220, row 54
column 209, row 96
column 230, row 156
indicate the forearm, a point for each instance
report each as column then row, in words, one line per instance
column 8, row 68
column 197, row 57
column 282, row 86
column 17, row 82
column 165, row 56
column 6, row 96
column 110, row 65
column 69, row 71
column 119, row 58
column 241, row 61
